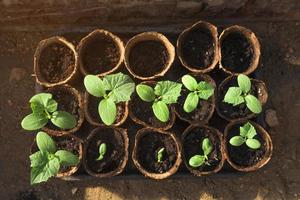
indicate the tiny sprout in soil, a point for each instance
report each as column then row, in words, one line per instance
column 47, row 161
column 164, row 93
column 202, row 90
column 247, row 133
column 160, row 154
column 198, row 160
column 113, row 89
column 44, row 108
column 102, row 151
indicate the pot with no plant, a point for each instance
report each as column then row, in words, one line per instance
column 153, row 107
column 240, row 97
column 248, row 146
column 196, row 104
column 106, row 152
column 149, row 55
column 106, row 99
column 203, row 150
column 198, row 47
column 55, row 62
column 240, row 50
column 54, row 157
column 156, row 153
column 100, row 53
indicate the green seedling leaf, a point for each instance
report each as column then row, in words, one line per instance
column 206, row 90
column 159, row 155
column 51, row 105
column 191, row 102
column 161, row 111
column 38, row 159
column 45, row 143
column 233, row 96
column 34, row 121
column 244, row 83
column 189, row 82
column 145, row 92
column 253, row 104
column 207, row 146
column 67, row 158
column 102, row 151
column 108, row 111
column 247, row 130
column 197, row 161
column 63, row 120
column 123, row 93
column 237, row 140
column 41, row 98
column 169, row 91
column 37, row 108
column 94, row 85
column 253, row 143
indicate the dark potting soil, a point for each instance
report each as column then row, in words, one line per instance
column 198, row 48
column 243, row 155
column 148, row 146
column 56, row 62
column 148, row 58
column 100, row 54
column 192, row 145
column 237, row 52
column 115, row 151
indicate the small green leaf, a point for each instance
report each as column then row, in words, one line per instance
column 169, row 91
column 189, row 82
column 38, row 159
column 37, row 108
column 67, row 158
column 191, row 102
column 206, row 90
column 63, row 120
column 253, row 143
column 45, row 143
column 34, row 121
column 244, row 83
column 159, row 155
column 102, row 151
column 41, row 98
column 108, row 111
column 237, row 140
column 114, row 81
column 94, row 85
column 161, row 111
column 207, row 146
column 51, row 105
column 196, row 161
column 247, row 130
column 145, row 92
column 253, row 104
column 233, row 96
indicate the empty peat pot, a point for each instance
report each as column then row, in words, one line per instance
column 100, row 53
column 55, row 62
column 242, row 158
column 230, row 112
column 198, row 47
column 141, row 112
column 149, row 55
column 116, row 156
column 69, row 100
column 148, row 142
column 205, row 108
column 192, row 139
column 240, row 50
column 69, row 143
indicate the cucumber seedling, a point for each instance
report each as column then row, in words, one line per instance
column 102, row 151
column 201, row 90
column 198, row 160
column 112, row 89
column 163, row 94
column 44, row 108
column 160, row 154
column 241, row 94
column 46, row 162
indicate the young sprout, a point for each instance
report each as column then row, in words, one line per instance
column 112, row 89
column 202, row 90
column 160, row 154
column 102, row 151
column 163, row 94
column 241, row 94
column 44, row 108
column 247, row 133
column 198, row 160
column 47, row 161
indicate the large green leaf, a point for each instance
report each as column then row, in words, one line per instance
column 233, row 96
column 63, row 120
column 189, row 82
column 206, row 90
column 145, row 92
column 244, row 83
column 45, row 143
column 34, row 121
column 38, row 159
column 253, row 104
column 196, row 161
column 108, row 111
column 207, row 146
column 122, row 93
column 161, row 111
column 94, row 85
column 169, row 91
column 67, row 158
column 41, row 98
column 191, row 102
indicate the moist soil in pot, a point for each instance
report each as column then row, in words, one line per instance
column 114, row 155
column 243, row 155
column 148, row 58
column 100, row 54
column 192, row 145
column 237, row 52
column 198, row 48
column 56, row 62
column 148, row 147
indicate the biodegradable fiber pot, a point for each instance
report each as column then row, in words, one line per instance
column 192, row 139
column 69, row 100
column 205, row 108
column 141, row 112
column 149, row 55
column 198, row 47
column 55, row 62
column 242, row 158
column 116, row 156
column 147, row 143
column 230, row 112
column 240, row 50
column 100, row 53
column 70, row 143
